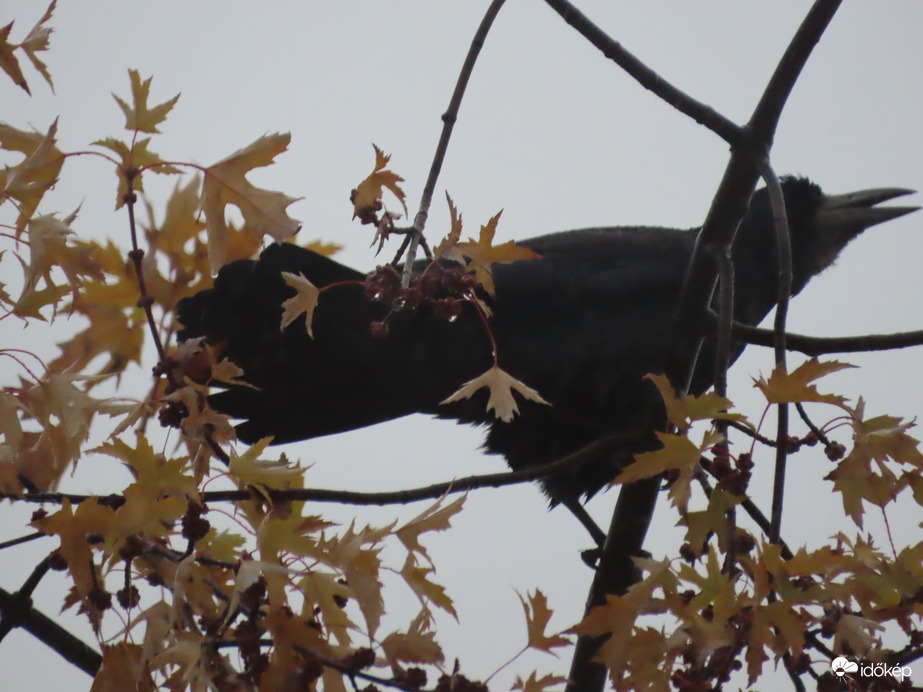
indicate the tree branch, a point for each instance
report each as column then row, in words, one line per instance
column 448, row 123
column 703, row 114
column 820, row 345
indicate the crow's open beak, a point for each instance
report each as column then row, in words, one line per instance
column 840, row 218
column 856, row 211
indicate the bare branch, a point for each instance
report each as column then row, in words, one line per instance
column 784, row 255
column 448, row 122
column 703, row 114
column 820, row 345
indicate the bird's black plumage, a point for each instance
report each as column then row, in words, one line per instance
column 582, row 325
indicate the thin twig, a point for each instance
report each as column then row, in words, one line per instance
column 818, row 433
column 490, row 480
column 448, row 123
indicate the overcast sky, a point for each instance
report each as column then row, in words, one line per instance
column 551, row 133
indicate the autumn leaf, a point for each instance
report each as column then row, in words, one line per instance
column 139, row 117
column 433, row 518
column 446, row 246
column 8, row 60
column 134, row 158
column 248, row 470
column 416, row 645
column 123, row 667
column 72, row 528
column 327, row 593
column 795, row 387
column 304, row 301
column 483, row 253
column 685, row 410
column 263, row 210
column 366, row 198
column 537, row 616
column 866, row 473
column 37, row 41
column 425, row 589
column 29, row 180
column 500, row 384
column 538, row 684
column 678, row 454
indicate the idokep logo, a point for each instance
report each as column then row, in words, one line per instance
column 842, row 667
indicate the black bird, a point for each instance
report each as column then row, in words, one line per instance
column 582, row 325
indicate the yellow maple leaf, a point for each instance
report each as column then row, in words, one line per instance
column 416, row 645
column 537, row 616
column 683, row 411
column 678, row 454
column 433, row 518
column 123, row 667
column 263, row 210
column 31, row 178
column 327, row 592
column 134, row 158
column 446, row 246
column 366, row 198
column 538, row 684
column 110, row 331
column 37, row 41
column 500, row 384
column 428, row 591
column 248, row 469
column 794, row 387
column 304, row 301
column 483, row 253
column 8, row 61
column 139, row 117
column 72, row 527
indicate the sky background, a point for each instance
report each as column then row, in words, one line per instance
column 551, row 133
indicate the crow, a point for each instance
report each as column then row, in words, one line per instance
column 582, row 325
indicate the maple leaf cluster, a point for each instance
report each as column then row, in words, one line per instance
column 300, row 600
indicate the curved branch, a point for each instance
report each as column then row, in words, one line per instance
column 702, row 113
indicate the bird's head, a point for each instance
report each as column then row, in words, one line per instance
column 820, row 225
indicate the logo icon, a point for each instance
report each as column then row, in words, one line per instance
column 842, row 666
